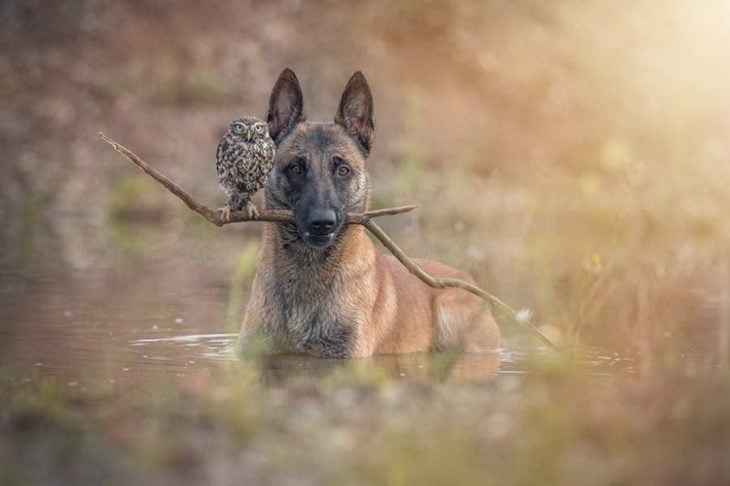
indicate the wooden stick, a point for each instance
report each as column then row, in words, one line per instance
column 365, row 219
column 442, row 283
column 271, row 215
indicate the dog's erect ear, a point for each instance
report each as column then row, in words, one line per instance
column 356, row 111
column 285, row 105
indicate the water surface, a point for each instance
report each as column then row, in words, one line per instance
column 133, row 303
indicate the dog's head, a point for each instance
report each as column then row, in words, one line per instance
column 319, row 172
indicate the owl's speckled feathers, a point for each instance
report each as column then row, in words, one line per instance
column 244, row 159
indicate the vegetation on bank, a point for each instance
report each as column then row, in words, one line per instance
column 554, row 425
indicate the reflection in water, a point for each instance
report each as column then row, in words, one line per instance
column 444, row 366
column 278, row 369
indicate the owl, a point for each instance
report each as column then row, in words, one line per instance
column 244, row 159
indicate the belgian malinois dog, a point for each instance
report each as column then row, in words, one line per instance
column 320, row 287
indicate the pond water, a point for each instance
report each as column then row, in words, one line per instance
column 86, row 304
column 117, row 364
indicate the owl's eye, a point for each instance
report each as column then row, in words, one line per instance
column 260, row 129
column 238, row 128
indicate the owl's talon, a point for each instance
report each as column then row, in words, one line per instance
column 251, row 211
column 225, row 213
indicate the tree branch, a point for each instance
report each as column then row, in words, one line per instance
column 442, row 283
column 364, row 219
column 213, row 216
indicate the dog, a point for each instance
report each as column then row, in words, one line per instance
column 320, row 286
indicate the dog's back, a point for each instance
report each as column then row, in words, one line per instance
column 320, row 286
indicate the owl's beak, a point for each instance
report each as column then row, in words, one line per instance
column 249, row 135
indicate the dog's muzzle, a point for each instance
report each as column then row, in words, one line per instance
column 320, row 227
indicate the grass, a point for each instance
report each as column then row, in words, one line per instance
column 360, row 427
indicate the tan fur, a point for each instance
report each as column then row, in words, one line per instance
column 344, row 299
column 391, row 311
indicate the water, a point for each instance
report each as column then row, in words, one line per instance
column 136, row 326
column 101, row 307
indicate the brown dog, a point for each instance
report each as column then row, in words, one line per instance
column 321, row 287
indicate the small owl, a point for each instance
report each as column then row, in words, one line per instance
column 244, row 159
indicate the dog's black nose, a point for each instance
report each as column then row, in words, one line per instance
column 322, row 222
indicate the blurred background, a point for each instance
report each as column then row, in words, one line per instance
column 573, row 156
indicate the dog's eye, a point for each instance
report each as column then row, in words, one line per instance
column 341, row 167
column 295, row 168
column 343, row 170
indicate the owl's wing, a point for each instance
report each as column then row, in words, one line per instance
column 220, row 162
column 269, row 151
